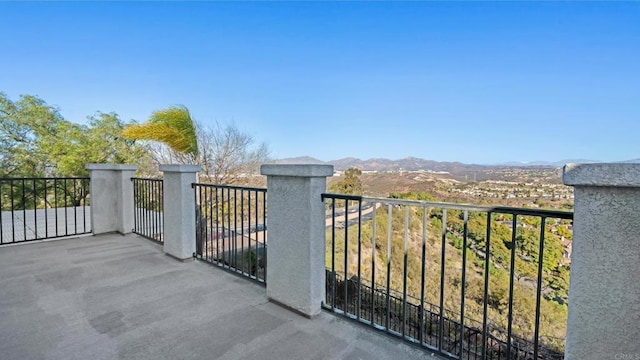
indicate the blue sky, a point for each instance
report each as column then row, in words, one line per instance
column 477, row 82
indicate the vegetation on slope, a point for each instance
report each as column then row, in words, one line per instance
column 385, row 252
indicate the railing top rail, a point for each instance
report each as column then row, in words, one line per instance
column 468, row 207
column 149, row 179
column 341, row 197
column 44, row 178
column 229, row 187
column 533, row 212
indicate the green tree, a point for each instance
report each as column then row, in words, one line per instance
column 35, row 141
column 351, row 184
column 26, row 126
column 103, row 142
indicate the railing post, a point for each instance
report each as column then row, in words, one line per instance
column 111, row 197
column 604, row 292
column 296, row 225
column 179, row 210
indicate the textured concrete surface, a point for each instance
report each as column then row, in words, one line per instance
column 602, row 174
column 297, row 170
column 24, row 225
column 296, row 235
column 111, row 187
column 604, row 292
column 180, row 212
column 121, row 297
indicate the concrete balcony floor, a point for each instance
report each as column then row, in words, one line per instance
column 121, row 297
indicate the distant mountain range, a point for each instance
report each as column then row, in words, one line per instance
column 414, row 164
column 378, row 164
column 549, row 163
column 563, row 162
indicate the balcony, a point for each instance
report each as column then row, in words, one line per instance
column 120, row 297
column 123, row 296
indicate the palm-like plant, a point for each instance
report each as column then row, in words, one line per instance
column 172, row 127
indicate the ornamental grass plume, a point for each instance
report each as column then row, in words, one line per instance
column 172, row 127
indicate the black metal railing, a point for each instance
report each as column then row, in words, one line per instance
column 43, row 208
column 148, row 208
column 468, row 282
column 231, row 228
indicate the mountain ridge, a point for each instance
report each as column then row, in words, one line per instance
column 382, row 164
column 414, row 164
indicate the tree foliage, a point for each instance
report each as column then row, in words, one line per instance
column 392, row 242
column 35, row 140
column 226, row 154
column 26, row 126
column 424, row 196
column 173, row 127
column 351, row 184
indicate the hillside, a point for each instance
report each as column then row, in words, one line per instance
column 456, row 170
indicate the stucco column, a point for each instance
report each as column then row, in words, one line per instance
column 604, row 293
column 111, row 197
column 296, row 247
column 179, row 210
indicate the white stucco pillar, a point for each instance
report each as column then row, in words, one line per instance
column 604, row 292
column 179, row 210
column 111, row 197
column 296, row 247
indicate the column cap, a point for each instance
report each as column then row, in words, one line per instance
column 602, row 174
column 111, row 167
column 180, row 168
column 297, row 170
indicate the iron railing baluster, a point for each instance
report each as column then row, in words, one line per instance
column 27, row 201
column 446, row 331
